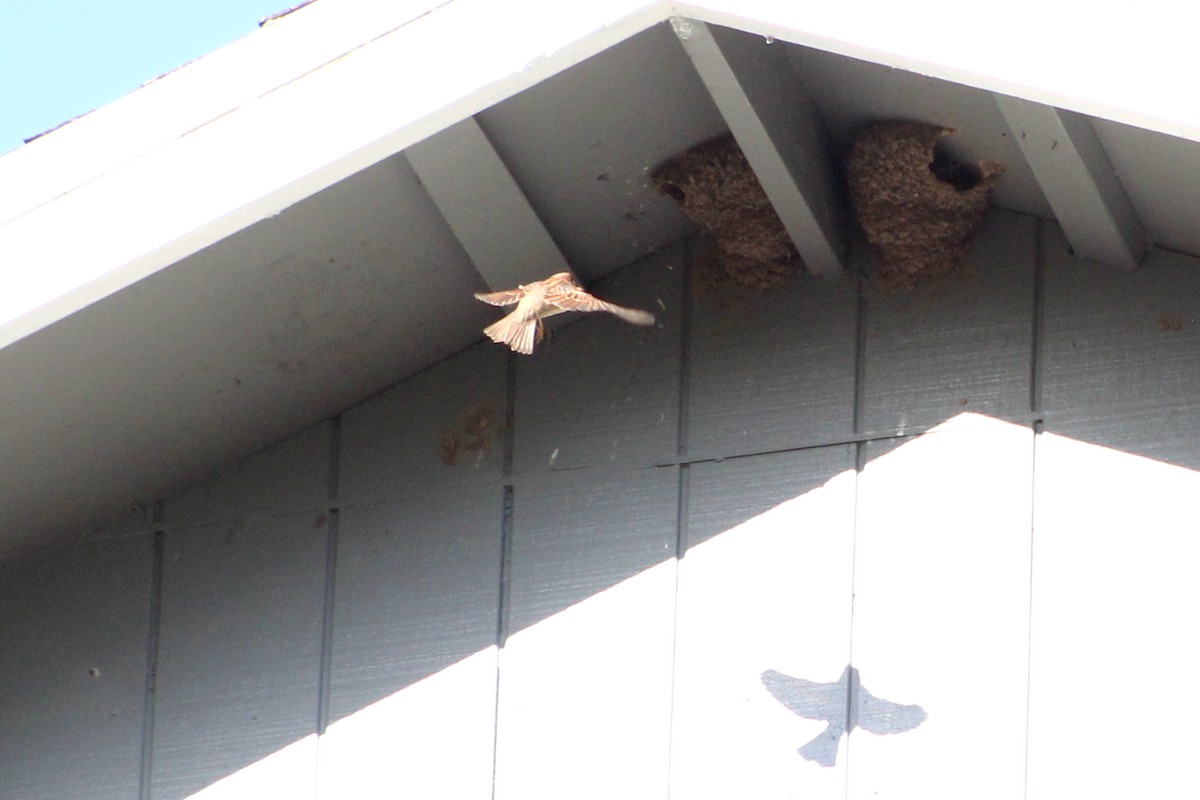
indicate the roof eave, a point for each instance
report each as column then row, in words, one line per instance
column 293, row 128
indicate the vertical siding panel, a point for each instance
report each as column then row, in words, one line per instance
column 412, row 700
column 290, row 477
column 765, row 585
column 1112, row 701
column 70, row 732
column 240, row 637
column 413, row 682
column 585, row 674
column 601, row 391
column 941, row 613
column 1121, row 352
column 961, row 345
column 585, row 669
column 442, row 427
column 772, row 369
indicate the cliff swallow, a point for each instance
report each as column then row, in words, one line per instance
column 522, row 328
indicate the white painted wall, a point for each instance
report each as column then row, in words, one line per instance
column 348, row 615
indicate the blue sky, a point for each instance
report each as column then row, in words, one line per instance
column 63, row 58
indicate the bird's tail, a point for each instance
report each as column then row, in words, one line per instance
column 520, row 335
column 823, row 749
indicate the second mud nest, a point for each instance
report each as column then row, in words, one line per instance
column 917, row 205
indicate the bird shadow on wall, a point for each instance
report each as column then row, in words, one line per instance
column 844, row 705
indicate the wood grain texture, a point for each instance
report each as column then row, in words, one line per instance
column 964, row 344
column 593, row 199
column 1115, row 554
column 418, row 588
column 240, row 656
column 781, row 134
column 765, row 585
column 1120, row 356
column 73, row 625
column 462, row 172
column 585, row 673
column 624, row 673
column 443, row 426
column 412, row 698
column 413, row 683
column 771, row 369
column 1115, row 551
column 1078, row 180
column 601, row 391
column 1113, row 647
column 941, row 611
column 289, row 477
column 579, row 532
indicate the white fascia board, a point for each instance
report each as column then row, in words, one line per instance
column 1133, row 64
column 174, row 104
column 149, row 210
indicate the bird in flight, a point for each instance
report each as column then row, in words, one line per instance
column 522, row 328
column 844, row 705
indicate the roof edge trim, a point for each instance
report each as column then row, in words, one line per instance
column 1045, row 52
column 283, row 146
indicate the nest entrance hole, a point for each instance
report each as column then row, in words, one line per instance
column 948, row 168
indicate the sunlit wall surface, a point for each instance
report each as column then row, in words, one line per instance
column 806, row 543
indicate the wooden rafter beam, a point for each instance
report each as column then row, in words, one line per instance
column 484, row 207
column 1078, row 181
column 780, row 134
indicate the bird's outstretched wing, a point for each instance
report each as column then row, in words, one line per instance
column 879, row 716
column 811, row 700
column 504, row 298
column 572, row 298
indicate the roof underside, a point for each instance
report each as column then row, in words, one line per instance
column 215, row 340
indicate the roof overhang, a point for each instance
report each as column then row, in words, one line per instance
column 274, row 138
column 329, row 89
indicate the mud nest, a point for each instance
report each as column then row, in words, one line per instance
column 716, row 187
column 917, row 205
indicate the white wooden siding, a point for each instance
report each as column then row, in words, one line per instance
column 765, row 585
column 798, row 387
column 1116, row 547
column 412, row 601
column 941, row 609
column 73, row 638
column 964, row 345
column 417, row 586
column 239, row 655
